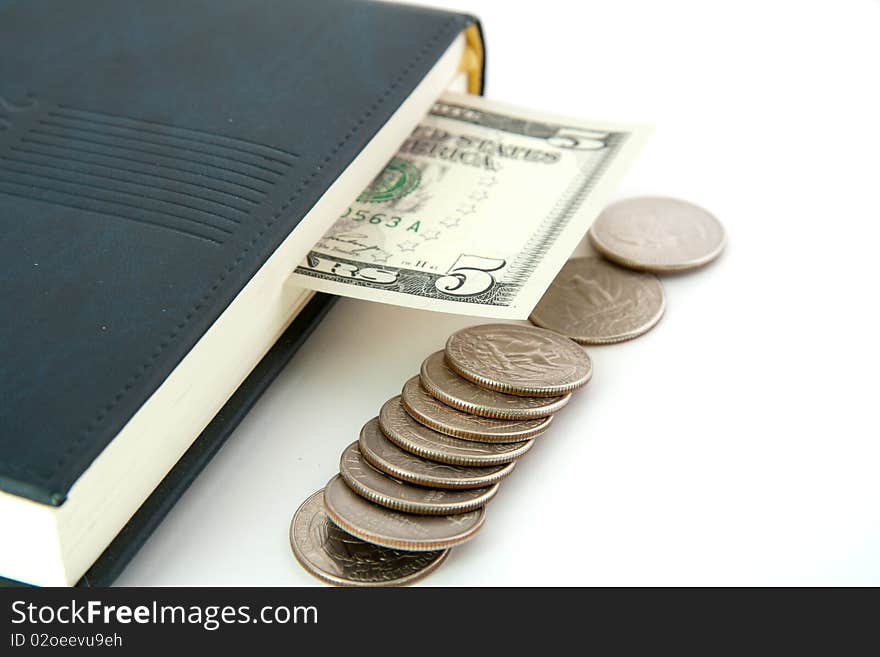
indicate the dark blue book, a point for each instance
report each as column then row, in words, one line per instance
column 163, row 168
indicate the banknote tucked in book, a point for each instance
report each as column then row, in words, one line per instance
column 476, row 213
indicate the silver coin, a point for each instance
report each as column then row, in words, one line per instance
column 453, row 422
column 518, row 359
column 379, row 488
column 595, row 302
column 337, row 557
column 392, row 529
column 451, row 389
column 384, row 455
column 401, row 429
column 658, row 234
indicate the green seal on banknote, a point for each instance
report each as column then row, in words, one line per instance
column 399, row 178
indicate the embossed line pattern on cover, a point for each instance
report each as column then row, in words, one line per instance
column 191, row 182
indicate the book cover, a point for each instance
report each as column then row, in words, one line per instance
column 153, row 156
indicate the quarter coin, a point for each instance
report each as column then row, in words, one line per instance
column 384, row 455
column 453, row 422
column 518, row 359
column 339, row 558
column 451, row 389
column 401, row 429
column 658, row 234
column 595, row 302
column 392, row 529
column 379, row 488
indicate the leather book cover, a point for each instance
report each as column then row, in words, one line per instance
column 153, row 155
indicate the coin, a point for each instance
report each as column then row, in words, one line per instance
column 517, row 359
column 595, row 302
column 334, row 556
column 401, row 429
column 384, row 455
column 451, row 389
column 453, row 422
column 401, row 531
column 379, row 488
column 658, row 234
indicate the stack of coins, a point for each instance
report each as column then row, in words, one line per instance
column 417, row 481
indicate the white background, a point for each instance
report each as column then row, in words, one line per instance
column 737, row 443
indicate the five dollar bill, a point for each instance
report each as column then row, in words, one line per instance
column 476, row 213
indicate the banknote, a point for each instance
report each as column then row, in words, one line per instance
column 477, row 211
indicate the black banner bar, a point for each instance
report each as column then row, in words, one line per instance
column 456, row 621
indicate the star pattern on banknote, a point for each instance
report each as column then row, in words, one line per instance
column 380, row 255
column 430, row 235
column 466, row 209
column 451, row 222
column 409, row 245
